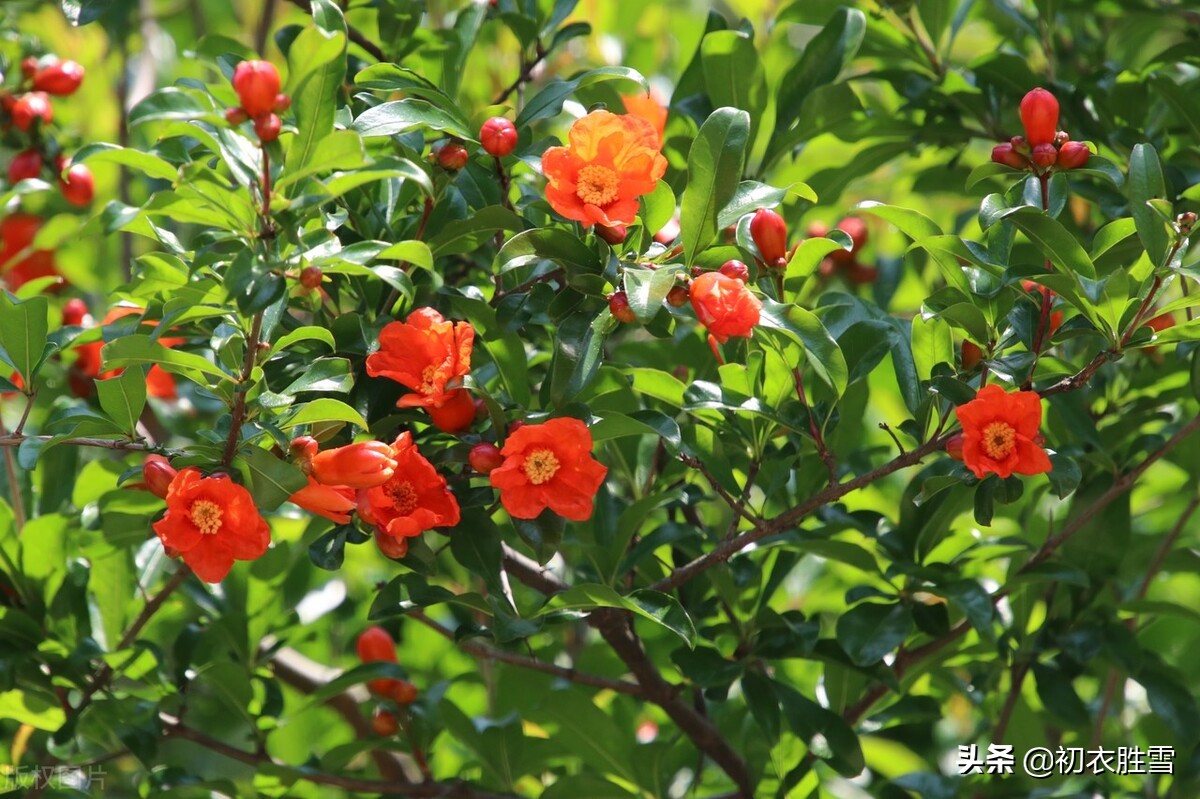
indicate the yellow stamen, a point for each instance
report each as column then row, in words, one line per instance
column 403, row 497
column 206, row 515
column 427, row 376
column 597, row 185
column 999, row 440
column 540, row 465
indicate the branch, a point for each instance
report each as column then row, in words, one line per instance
column 525, row 74
column 736, row 505
column 172, row 728
column 238, row 414
column 353, row 33
column 15, row 439
column 488, row 653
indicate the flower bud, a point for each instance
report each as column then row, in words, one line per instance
column 257, row 85
column 267, row 127
column 1061, row 138
column 29, row 108
column 735, row 269
column 455, row 414
column 1186, row 222
column 1044, row 155
column 498, row 136
column 613, row 235
column 515, row 426
column 856, row 229
column 404, row 692
column 362, row 465
column 24, row 165
column 618, row 305
column 485, row 457
column 157, row 474
column 769, row 232
column 235, row 116
column 391, row 546
column 1073, row 155
column 375, row 644
column 1039, row 115
column 74, row 312
column 678, row 297
column 334, row 503
column 29, row 66
column 452, row 156
column 971, row 355
column 1005, row 154
column 1020, row 145
column 310, row 277
column 61, row 78
column 304, row 447
column 384, row 723
column 78, row 186
column 954, row 446
column 282, row 103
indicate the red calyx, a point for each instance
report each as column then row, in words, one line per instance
column 257, row 85
column 61, row 78
column 78, row 187
column 1044, row 155
column 452, row 156
column 1005, row 154
column 1039, row 115
column 310, row 277
column 1073, row 155
column 25, row 164
column 267, row 127
column 29, row 108
column 485, row 457
column 498, row 136
column 613, row 235
column 735, row 269
column 618, row 305
column 769, row 232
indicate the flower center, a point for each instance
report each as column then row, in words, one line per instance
column 206, row 515
column 540, row 466
column 597, row 185
column 427, row 378
column 999, row 439
column 404, row 497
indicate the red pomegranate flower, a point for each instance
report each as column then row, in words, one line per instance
column 414, row 500
column 362, row 464
column 649, row 107
column 212, row 521
column 335, row 503
column 610, row 162
column 725, row 306
column 551, row 466
column 426, row 353
column 1000, row 433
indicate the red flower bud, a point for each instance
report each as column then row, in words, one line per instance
column 954, row 446
column 236, row 116
column 257, row 85
column 391, row 546
column 25, row 164
column 282, row 103
column 29, row 108
column 1073, row 155
column 455, row 414
column 78, row 187
column 1005, row 154
column 61, row 78
column 1020, row 145
column 498, row 136
column 678, row 297
column 971, row 355
column 384, row 723
column 618, row 305
column 29, row 66
column 376, row 644
column 1061, row 138
column 404, row 692
column 74, row 312
column 310, row 277
column 304, row 447
column 861, row 274
column 267, row 127
column 157, row 474
column 1044, row 155
column 515, row 426
column 1039, row 115
column 613, row 235
column 485, row 457
column 362, row 465
column 769, row 232
column 735, row 269
column 1186, row 221
column 856, row 229
column 452, row 156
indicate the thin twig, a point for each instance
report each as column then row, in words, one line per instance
column 238, row 414
column 353, row 33
column 525, row 74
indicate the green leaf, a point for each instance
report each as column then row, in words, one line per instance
column 305, row 333
column 325, row 409
column 913, row 224
column 317, row 68
column 470, row 234
column 1146, row 183
column 23, row 331
column 804, row 328
column 733, row 73
column 1063, row 249
column 272, row 480
column 324, row 374
column 715, row 163
column 147, row 163
column 647, row 288
column 340, row 150
column 658, row 207
column 932, row 343
column 659, row 608
column 123, row 398
column 416, row 253
column 39, row 710
column 140, row 350
column 870, row 630
column 752, row 195
column 549, row 244
column 401, row 116
column 549, row 101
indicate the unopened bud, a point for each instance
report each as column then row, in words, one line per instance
column 614, row 234
column 1073, row 155
column 1039, row 115
column 769, row 232
column 157, row 474
column 310, row 277
column 1061, row 138
column 954, row 446
column 1044, row 155
column 1007, row 155
column 618, row 305
column 1020, row 145
column 1186, row 222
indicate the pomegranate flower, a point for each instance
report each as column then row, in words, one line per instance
column 551, row 466
column 1000, row 433
column 426, row 353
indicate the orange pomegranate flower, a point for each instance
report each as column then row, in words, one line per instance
column 649, row 107
column 1000, row 433
column 426, row 353
column 611, row 160
column 725, row 306
column 360, row 465
column 551, row 466
column 414, row 500
column 211, row 522
column 332, row 502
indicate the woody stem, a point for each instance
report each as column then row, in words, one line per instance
column 1047, row 300
column 238, row 414
column 818, row 437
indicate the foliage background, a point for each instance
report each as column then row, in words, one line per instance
column 899, row 128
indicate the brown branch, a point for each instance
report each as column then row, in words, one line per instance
column 1019, row 670
column 822, row 449
column 525, row 74
column 15, row 439
column 352, row 33
column 172, row 728
column 736, row 505
column 238, row 414
column 488, row 653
